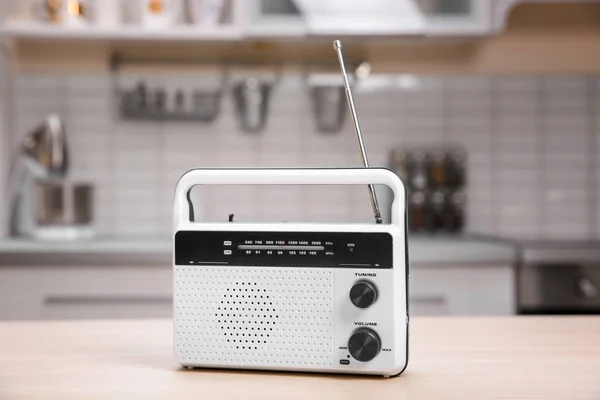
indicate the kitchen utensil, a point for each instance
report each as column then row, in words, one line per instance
column 38, row 183
column 179, row 102
column 328, row 107
column 63, row 210
column 139, row 97
column 160, row 13
column 47, row 146
column 160, row 101
column 251, row 97
column 327, row 94
column 127, row 103
column 207, row 105
column 206, row 12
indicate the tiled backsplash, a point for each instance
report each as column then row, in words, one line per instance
column 533, row 145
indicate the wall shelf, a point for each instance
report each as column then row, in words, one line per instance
column 41, row 32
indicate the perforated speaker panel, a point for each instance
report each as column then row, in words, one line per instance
column 272, row 317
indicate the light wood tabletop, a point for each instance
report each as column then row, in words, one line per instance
column 451, row 358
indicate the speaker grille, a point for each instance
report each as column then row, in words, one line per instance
column 254, row 316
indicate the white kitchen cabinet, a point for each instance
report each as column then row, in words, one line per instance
column 274, row 18
column 457, row 17
column 462, row 290
column 29, row 293
column 442, row 17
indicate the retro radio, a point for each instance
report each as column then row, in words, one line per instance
column 292, row 296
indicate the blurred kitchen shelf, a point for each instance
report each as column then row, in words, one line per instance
column 38, row 31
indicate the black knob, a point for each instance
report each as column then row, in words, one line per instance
column 363, row 294
column 364, row 344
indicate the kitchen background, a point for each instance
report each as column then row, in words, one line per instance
column 510, row 92
column 532, row 144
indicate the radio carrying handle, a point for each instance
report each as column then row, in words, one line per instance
column 288, row 176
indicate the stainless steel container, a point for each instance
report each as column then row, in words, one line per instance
column 44, row 202
column 251, row 98
column 63, row 210
column 63, row 203
column 329, row 107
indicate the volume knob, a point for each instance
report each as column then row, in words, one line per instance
column 363, row 294
column 364, row 344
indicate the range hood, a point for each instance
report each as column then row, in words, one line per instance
column 358, row 17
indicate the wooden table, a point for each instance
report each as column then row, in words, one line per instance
column 451, row 358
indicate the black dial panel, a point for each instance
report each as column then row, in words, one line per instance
column 297, row 249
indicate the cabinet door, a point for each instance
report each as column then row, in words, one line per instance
column 457, row 17
column 275, row 18
column 484, row 290
column 78, row 293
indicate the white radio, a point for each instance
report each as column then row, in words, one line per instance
column 292, row 296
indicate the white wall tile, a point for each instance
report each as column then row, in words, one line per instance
column 280, row 203
column 564, row 229
column 516, row 85
column 240, row 200
column 516, row 104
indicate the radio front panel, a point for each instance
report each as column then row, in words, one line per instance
column 293, row 249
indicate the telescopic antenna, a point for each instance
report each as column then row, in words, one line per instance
column 337, row 45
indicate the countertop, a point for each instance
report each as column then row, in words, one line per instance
column 118, row 251
column 451, row 358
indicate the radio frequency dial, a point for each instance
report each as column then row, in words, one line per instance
column 363, row 294
column 364, row 344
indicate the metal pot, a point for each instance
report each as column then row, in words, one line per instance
column 63, row 203
column 329, row 107
column 62, row 210
column 251, row 98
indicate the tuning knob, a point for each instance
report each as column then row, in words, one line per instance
column 364, row 344
column 363, row 294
